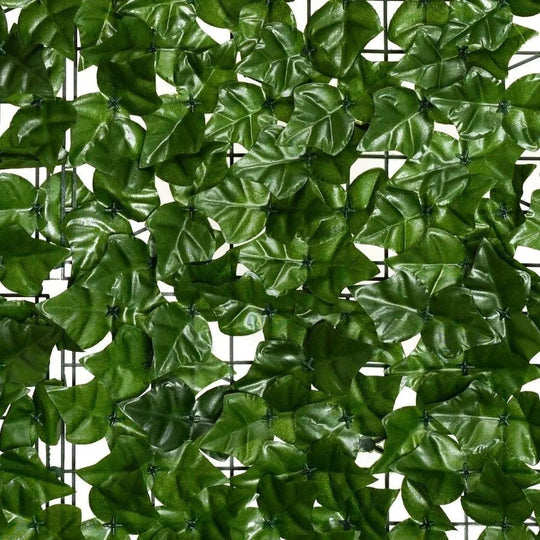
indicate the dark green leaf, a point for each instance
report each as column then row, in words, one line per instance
column 240, row 115
column 277, row 59
column 163, row 413
column 242, row 428
column 238, row 205
column 400, row 123
column 412, row 16
column 397, row 306
column 319, row 120
column 85, row 409
column 181, row 237
column 486, row 23
column 26, row 262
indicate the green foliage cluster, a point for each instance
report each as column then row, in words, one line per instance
column 304, row 106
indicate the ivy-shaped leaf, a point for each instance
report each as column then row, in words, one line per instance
column 239, row 207
column 401, row 122
column 338, row 31
column 277, row 59
column 320, row 119
column 241, row 113
column 242, row 428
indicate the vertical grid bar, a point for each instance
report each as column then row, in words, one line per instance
column 387, row 171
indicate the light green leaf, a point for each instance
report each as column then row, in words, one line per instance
column 182, row 346
column 473, row 105
column 122, row 367
column 412, row 16
column 528, row 234
column 426, row 65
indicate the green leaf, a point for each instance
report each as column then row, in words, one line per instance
column 280, row 168
column 51, row 23
column 496, row 62
column 426, row 65
column 240, row 115
column 26, row 351
column 85, row 315
column 453, row 324
column 242, row 428
column 277, row 59
column 19, row 425
column 396, row 222
column 528, row 234
column 280, row 374
column 473, row 105
column 127, row 188
column 173, row 129
column 483, row 22
column 181, row 237
column 290, row 504
column 412, row 16
column 396, row 306
column 496, row 498
column 26, row 262
column 200, row 75
column 132, row 83
column 335, row 359
column 163, row 413
column 23, row 68
column 25, row 465
column 239, row 207
column 522, row 122
column 436, row 464
column 17, row 198
column 37, row 132
column 495, row 284
column 94, row 117
column 338, row 32
column 122, row 367
column 334, row 262
column 87, row 230
column 281, row 267
column 478, row 416
column 436, row 260
column 400, row 123
column 183, row 474
column 182, row 346
column 48, row 420
column 320, row 119
column 361, row 82
column 173, row 21
column 85, row 409
column 524, row 8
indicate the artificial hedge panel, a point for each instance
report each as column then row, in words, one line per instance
column 304, row 106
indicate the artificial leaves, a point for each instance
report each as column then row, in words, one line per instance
column 270, row 238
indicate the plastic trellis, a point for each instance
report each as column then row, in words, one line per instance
column 287, row 433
